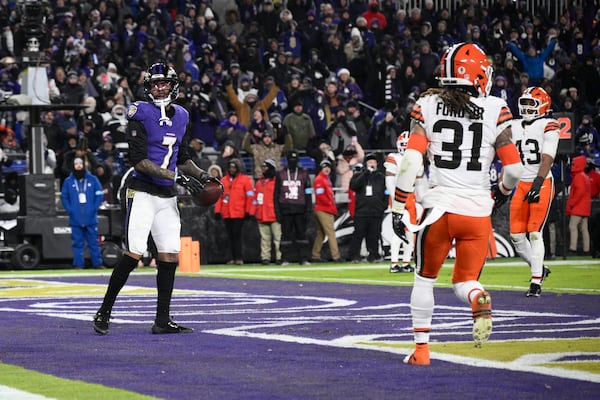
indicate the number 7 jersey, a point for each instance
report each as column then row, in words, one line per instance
column 461, row 150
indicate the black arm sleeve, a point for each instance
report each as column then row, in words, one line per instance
column 136, row 137
column 184, row 152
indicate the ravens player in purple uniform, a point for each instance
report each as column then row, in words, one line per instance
column 155, row 131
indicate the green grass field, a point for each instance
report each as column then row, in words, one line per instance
column 575, row 275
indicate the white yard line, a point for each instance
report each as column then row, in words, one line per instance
column 8, row 393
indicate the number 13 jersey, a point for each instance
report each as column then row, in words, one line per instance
column 534, row 138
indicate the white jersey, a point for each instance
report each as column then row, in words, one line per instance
column 461, row 150
column 534, row 138
column 392, row 166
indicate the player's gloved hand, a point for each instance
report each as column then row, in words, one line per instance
column 190, row 183
column 399, row 226
column 226, row 80
column 533, row 196
column 205, row 178
column 499, row 197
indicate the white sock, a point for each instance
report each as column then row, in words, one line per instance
column 522, row 245
column 407, row 248
column 537, row 255
column 465, row 291
column 421, row 307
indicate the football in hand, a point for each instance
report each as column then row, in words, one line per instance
column 209, row 195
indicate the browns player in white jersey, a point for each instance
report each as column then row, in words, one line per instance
column 536, row 137
column 392, row 168
column 461, row 129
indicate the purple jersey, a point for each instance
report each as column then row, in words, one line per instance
column 162, row 141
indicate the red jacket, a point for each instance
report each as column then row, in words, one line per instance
column 580, row 193
column 264, row 200
column 324, row 200
column 371, row 15
column 595, row 180
column 238, row 194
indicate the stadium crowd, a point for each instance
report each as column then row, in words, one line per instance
column 329, row 79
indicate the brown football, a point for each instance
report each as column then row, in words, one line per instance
column 208, row 196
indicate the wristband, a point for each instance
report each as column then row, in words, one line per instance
column 176, row 175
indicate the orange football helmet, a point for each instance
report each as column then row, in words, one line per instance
column 402, row 142
column 534, row 103
column 465, row 64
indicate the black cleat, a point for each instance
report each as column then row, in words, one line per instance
column 407, row 268
column 394, row 269
column 535, row 290
column 545, row 273
column 101, row 322
column 170, row 327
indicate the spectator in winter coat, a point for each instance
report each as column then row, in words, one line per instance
column 295, row 205
column 341, row 131
column 371, row 201
column 299, row 125
column 373, row 13
column 266, row 202
column 351, row 157
column 244, row 109
column 264, row 150
column 197, row 154
column 230, row 130
column 234, row 206
column 533, row 63
column 594, row 177
column 385, row 132
column 347, row 86
column 579, row 205
column 81, row 196
column 204, row 122
column 325, row 213
column 258, row 126
column 229, row 153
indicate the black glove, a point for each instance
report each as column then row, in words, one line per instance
column 226, row 80
column 205, row 177
column 190, row 183
column 499, row 197
column 399, row 227
column 533, row 196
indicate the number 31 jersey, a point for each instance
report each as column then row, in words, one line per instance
column 461, row 150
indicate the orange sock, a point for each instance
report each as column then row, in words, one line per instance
column 420, row 355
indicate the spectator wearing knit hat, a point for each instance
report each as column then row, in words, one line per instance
column 230, row 130
column 325, row 212
column 251, row 102
column 81, row 197
column 299, row 125
column 265, row 149
column 347, row 86
column 267, row 212
column 258, row 126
